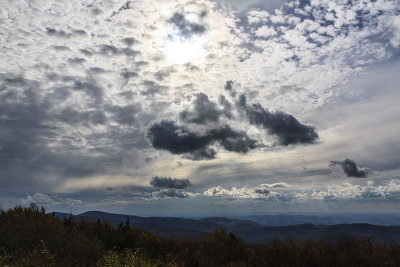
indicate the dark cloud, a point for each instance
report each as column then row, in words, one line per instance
column 167, row 182
column 110, row 50
column 79, row 32
column 229, row 87
column 262, row 191
column 128, row 52
column 141, row 64
column 60, row 34
column 186, row 28
column 129, row 41
column 178, row 140
column 126, row 6
column 203, row 111
column 86, row 52
column 242, row 103
column 170, row 193
column 167, row 135
column 232, row 140
column 350, row 168
column 203, row 153
column 128, row 75
column 60, row 48
column 285, row 126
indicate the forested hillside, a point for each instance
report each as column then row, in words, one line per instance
column 29, row 237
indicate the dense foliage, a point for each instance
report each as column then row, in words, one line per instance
column 29, row 237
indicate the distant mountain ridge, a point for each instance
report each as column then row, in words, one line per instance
column 248, row 230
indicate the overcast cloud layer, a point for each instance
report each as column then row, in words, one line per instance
column 158, row 106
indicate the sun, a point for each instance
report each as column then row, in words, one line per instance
column 183, row 36
column 184, row 51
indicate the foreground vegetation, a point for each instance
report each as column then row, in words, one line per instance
column 29, row 237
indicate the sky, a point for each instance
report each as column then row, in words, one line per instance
column 195, row 108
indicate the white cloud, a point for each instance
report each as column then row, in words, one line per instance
column 233, row 193
column 395, row 41
column 275, row 185
column 343, row 192
column 265, row 31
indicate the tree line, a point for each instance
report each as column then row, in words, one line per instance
column 30, row 237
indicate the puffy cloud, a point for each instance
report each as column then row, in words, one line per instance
column 350, row 169
column 265, row 31
column 232, row 140
column 167, row 182
column 168, row 136
column 177, row 140
column 260, row 192
column 285, row 126
column 204, row 111
column 387, row 191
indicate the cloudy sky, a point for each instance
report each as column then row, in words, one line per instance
column 178, row 107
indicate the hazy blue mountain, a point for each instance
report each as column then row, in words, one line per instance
column 300, row 227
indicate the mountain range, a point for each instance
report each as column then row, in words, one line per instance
column 248, row 230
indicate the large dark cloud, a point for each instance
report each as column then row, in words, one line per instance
column 349, row 167
column 177, row 140
column 167, row 182
column 232, row 140
column 186, row 28
column 168, row 136
column 285, row 126
column 204, row 111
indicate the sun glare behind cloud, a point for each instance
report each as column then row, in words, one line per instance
column 182, row 52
